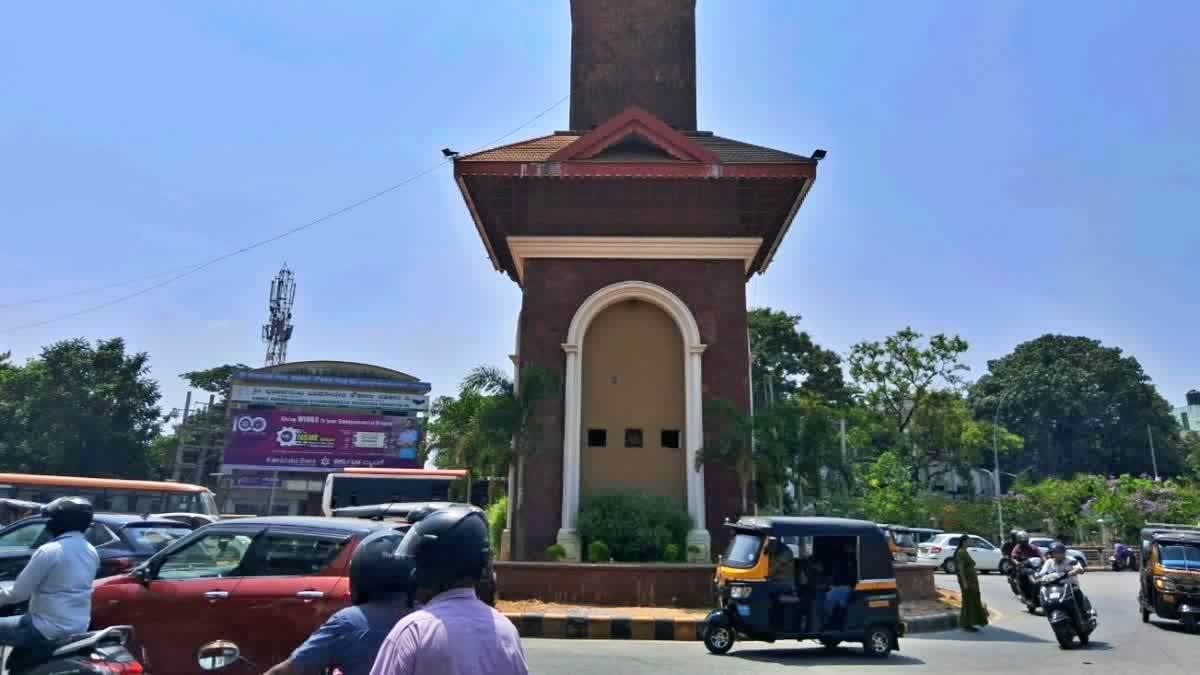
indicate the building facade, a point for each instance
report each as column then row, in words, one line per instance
column 288, row 426
column 632, row 236
column 1188, row 415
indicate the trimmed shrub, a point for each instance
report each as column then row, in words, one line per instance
column 497, row 517
column 635, row 527
column 554, row 553
column 671, row 553
column 598, row 552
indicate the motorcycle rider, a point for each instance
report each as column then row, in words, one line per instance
column 1059, row 563
column 455, row 633
column 381, row 593
column 1007, row 547
column 1024, row 550
column 57, row 580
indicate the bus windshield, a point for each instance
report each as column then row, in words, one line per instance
column 342, row 490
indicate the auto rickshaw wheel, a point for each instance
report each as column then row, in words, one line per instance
column 1189, row 623
column 831, row 644
column 1145, row 616
column 718, row 639
column 878, row 642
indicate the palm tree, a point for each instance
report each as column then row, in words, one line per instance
column 508, row 425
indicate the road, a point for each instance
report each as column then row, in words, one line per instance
column 1015, row 642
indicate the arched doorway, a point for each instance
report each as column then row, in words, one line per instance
column 633, row 404
column 691, row 437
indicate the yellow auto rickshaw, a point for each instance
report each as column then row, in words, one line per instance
column 1170, row 574
column 825, row 579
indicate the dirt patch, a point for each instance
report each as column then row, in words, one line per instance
column 539, row 607
column 919, row 608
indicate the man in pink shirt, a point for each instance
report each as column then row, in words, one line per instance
column 454, row 633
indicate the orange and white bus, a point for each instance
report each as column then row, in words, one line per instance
column 362, row 487
column 111, row 494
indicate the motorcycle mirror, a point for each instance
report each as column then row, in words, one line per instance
column 218, row 655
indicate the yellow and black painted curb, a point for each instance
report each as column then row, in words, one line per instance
column 598, row 627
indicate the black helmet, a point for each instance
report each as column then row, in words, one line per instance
column 1058, row 547
column 375, row 569
column 68, row 513
column 447, row 545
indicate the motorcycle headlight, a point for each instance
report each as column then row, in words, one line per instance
column 739, row 592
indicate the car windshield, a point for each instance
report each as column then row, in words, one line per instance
column 743, row 550
column 1179, row 556
column 155, row 537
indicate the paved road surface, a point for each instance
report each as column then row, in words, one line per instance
column 1016, row 642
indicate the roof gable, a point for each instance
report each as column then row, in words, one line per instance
column 646, row 129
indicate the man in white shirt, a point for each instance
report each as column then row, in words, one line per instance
column 1059, row 563
column 57, row 581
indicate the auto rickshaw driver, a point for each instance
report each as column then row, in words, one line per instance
column 781, row 578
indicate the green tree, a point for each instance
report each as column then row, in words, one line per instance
column 947, row 439
column 507, row 423
column 1081, row 408
column 217, row 380
column 80, row 409
column 902, row 376
column 732, row 445
column 785, row 360
column 888, row 492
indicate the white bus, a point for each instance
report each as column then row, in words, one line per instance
column 362, row 487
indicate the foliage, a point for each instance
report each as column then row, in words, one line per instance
column 797, row 446
column 732, row 445
column 1128, row 502
column 888, row 491
column 1080, row 406
column 216, row 380
column 636, row 527
column 453, row 430
column 80, row 409
column 1189, row 444
column 672, row 553
column 597, row 551
column 497, row 518
column 785, row 360
column 898, row 376
column 554, row 552
column 946, row 439
column 505, row 418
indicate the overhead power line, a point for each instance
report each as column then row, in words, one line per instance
column 188, row 270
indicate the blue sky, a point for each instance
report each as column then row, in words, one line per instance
column 996, row 169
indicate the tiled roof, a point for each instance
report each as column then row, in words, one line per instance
column 727, row 149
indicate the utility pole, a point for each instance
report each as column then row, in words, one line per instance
column 177, row 470
column 996, row 465
column 1153, row 456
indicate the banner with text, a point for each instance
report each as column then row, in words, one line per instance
column 328, row 398
column 285, row 440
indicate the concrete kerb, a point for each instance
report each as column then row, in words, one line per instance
column 587, row 627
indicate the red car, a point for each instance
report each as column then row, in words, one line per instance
column 263, row 583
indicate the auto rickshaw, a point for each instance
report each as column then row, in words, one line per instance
column 901, row 542
column 825, row 579
column 1170, row 574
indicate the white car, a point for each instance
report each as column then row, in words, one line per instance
column 1044, row 544
column 940, row 551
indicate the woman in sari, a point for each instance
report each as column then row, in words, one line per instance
column 973, row 613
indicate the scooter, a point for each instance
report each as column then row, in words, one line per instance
column 1064, row 611
column 94, row 653
column 1021, row 581
column 1122, row 558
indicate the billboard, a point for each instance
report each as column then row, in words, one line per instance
column 328, row 398
column 286, row 440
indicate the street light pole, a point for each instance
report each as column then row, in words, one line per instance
column 996, row 465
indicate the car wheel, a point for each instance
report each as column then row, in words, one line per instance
column 949, row 566
column 878, row 642
column 718, row 639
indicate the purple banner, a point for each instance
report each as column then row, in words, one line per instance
column 285, row 440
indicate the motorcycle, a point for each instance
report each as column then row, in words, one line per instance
column 1021, row 579
column 1122, row 558
column 96, row 652
column 224, row 655
column 1065, row 612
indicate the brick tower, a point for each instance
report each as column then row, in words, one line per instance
column 632, row 236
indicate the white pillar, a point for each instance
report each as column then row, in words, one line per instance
column 699, row 541
column 568, row 535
